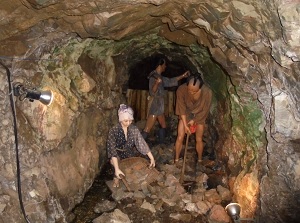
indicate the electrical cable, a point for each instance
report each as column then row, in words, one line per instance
column 12, row 103
column 34, row 59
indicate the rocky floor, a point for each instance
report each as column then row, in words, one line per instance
column 197, row 195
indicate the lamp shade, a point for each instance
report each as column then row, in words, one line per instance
column 233, row 210
column 46, row 97
column 23, row 92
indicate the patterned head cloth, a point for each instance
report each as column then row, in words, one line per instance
column 125, row 113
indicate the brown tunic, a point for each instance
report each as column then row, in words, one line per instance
column 194, row 110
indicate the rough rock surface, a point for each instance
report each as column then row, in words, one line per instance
column 248, row 51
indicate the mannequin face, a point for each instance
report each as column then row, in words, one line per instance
column 161, row 68
column 193, row 89
column 126, row 123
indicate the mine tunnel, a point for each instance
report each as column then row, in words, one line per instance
column 94, row 56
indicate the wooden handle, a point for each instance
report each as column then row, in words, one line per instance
column 184, row 159
column 125, row 183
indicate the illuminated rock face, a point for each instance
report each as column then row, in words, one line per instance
column 84, row 52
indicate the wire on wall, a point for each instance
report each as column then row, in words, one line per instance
column 12, row 103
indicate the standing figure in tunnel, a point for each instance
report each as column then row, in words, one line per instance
column 156, row 105
column 193, row 101
column 124, row 141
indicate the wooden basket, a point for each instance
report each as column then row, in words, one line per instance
column 137, row 170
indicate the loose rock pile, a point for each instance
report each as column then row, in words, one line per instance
column 154, row 189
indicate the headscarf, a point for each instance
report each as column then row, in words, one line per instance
column 125, row 113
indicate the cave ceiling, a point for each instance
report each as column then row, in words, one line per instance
column 241, row 36
column 255, row 42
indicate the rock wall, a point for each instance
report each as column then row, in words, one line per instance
column 255, row 43
column 62, row 146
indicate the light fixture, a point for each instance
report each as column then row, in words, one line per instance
column 23, row 92
column 234, row 210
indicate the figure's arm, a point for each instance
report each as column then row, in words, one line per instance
column 186, row 125
column 112, row 152
column 173, row 81
column 156, row 84
column 114, row 161
column 181, row 108
column 141, row 145
column 152, row 161
column 184, row 75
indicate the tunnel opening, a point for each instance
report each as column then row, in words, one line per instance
column 92, row 79
column 138, row 80
column 131, row 71
column 255, row 113
column 138, row 72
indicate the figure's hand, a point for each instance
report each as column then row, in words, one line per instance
column 186, row 74
column 191, row 122
column 119, row 173
column 187, row 130
column 158, row 80
column 152, row 161
column 152, row 164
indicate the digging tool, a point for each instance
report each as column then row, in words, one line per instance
column 184, row 159
column 125, row 183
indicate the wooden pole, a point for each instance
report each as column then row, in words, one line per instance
column 144, row 104
column 184, row 160
column 137, row 99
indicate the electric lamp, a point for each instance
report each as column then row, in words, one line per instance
column 234, row 210
column 45, row 97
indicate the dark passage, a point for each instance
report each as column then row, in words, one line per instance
column 138, row 72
